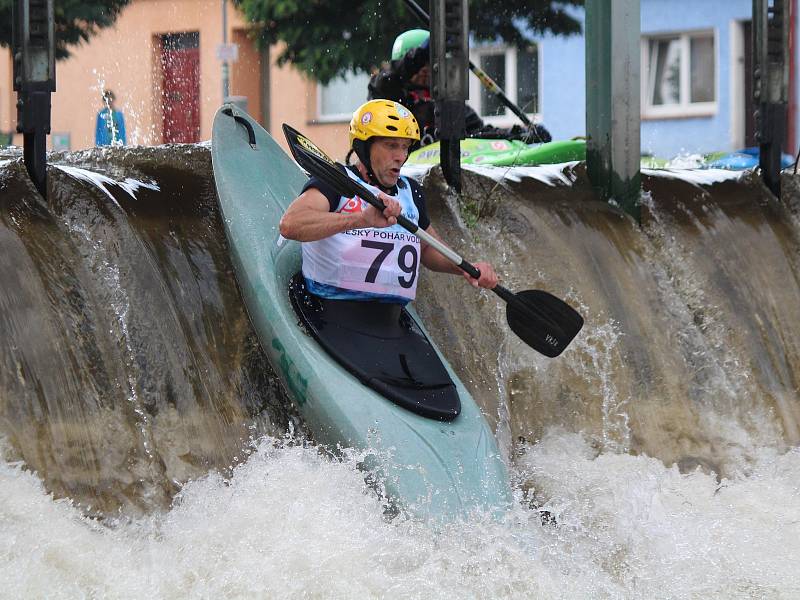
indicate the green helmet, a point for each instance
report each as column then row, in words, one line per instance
column 413, row 38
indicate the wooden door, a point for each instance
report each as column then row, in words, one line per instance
column 180, row 89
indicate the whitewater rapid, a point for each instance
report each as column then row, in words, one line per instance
column 294, row 523
column 656, row 458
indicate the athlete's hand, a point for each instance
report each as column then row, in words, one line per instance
column 488, row 278
column 375, row 218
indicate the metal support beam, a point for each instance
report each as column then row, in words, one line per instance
column 226, row 87
column 613, row 100
column 771, row 26
column 33, row 47
column 449, row 64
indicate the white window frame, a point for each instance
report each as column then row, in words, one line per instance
column 685, row 108
column 337, row 117
column 508, row 118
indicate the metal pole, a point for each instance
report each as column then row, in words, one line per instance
column 771, row 85
column 33, row 44
column 791, row 130
column 225, row 69
column 482, row 76
column 449, row 59
column 613, row 101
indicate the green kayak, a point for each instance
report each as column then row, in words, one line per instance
column 505, row 153
column 425, row 438
column 514, row 153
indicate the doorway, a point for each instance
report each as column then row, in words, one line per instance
column 742, row 119
column 180, row 87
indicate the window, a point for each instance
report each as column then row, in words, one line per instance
column 679, row 75
column 337, row 100
column 517, row 74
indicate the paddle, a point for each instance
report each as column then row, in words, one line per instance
column 484, row 78
column 544, row 322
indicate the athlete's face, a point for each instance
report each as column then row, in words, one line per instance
column 387, row 155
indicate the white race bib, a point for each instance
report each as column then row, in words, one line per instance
column 379, row 261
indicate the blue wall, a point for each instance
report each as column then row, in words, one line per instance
column 670, row 137
column 563, row 104
column 564, row 89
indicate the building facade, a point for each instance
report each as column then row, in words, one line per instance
column 696, row 94
column 160, row 59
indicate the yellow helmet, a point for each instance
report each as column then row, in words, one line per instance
column 383, row 118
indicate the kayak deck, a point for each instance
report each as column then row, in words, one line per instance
column 383, row 346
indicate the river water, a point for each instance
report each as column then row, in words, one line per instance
column 148, row 450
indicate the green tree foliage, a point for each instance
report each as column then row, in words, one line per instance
column 326, row 38
column 76, row 20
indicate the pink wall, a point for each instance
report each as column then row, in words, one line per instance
column 125, row 57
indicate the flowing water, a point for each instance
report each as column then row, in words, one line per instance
column 148, row 449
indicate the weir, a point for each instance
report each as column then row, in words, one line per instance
column 129, row 365
column 127, row 362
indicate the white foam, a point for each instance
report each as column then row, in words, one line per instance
column 697, row 176
column 674, row 535
column 552, row 175
column 131, row 186
column 415, row 171
column 294, row 523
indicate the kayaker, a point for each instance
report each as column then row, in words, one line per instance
column 407, row 80
column 351, row 250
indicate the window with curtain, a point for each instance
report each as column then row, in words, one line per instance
column 516, row 71
column 679, row 75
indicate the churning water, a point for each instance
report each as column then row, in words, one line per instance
column 145, row 450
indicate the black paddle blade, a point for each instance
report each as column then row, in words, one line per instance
column 317, row 163
column 546, row 323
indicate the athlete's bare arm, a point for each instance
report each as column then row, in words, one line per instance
column 435, row 261
column 308, row 217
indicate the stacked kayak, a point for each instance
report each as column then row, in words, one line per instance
column 741, row 160
column 746, row 158
column 505, row 153
column 508, row 153
column 361, row 377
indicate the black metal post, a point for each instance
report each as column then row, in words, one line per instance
column 771, row 85
column 33, row 48
column 449, row 60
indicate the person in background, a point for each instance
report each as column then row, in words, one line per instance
column 110, row 126
column 407, row 80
